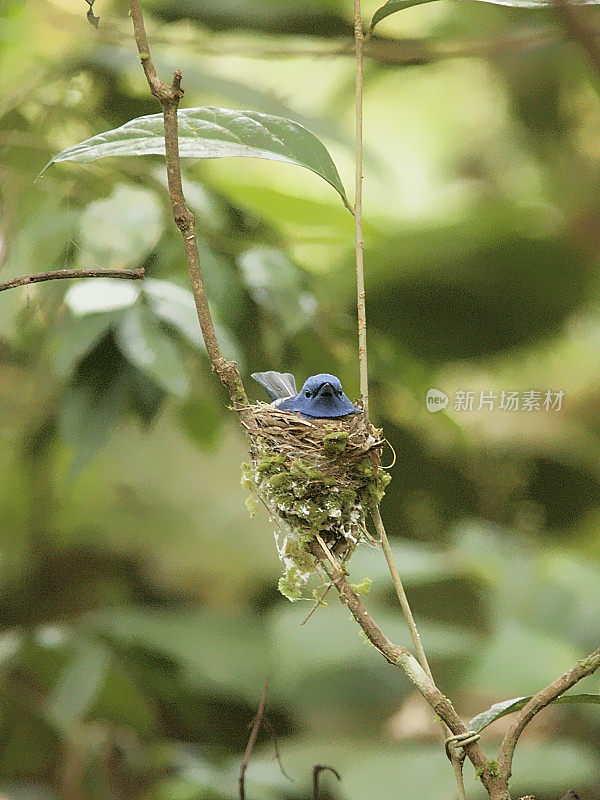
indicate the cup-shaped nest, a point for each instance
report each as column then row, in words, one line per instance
column 315, row 476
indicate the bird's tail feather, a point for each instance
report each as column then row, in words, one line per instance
column 276, row 384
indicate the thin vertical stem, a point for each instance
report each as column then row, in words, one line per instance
column 457, row 762
column 358, row 232
column 404, row 605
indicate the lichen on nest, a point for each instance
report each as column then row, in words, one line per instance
column 315, row 476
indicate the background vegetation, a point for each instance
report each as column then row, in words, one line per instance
column 138, row 601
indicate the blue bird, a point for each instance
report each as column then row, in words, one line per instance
column 321, row 396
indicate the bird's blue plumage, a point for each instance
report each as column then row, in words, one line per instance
column 321, row 397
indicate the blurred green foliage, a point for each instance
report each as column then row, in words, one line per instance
column 138, row 601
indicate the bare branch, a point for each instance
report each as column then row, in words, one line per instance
column 91, row 18
column 251, row 741
column 580, row 670
column 63, row 274
column 159, row 89
column 317, row 770
column 169, row 96
column 273, row 733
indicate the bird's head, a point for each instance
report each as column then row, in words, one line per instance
column 322, row 396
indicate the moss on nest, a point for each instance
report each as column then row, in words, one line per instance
column 314, row 476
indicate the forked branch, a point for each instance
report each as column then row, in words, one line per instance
column 399, row 656
column 543, row 698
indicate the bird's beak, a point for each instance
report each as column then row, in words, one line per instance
column 326, row 390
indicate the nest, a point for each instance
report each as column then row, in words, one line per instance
column 315, row 477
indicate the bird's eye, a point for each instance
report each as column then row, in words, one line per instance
column 339, row 393
column 307, row 393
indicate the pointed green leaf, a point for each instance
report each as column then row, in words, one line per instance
column 214, row 133
column 147, row 346
column 275, row 283
column 77, row 687
column 398, row 5
column 392, row 6
column 505, row 707
column 93, row 296
column 93, row 402
column 176, row 306
column 121, row 229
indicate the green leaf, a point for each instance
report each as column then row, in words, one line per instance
column 275, row 283
column 37, row 243
column 145, row 396
column 77, row 687
column 191, row 778
column 392, row 6
column 398, row 5
column 143, row 341
column 121, row 229
column 122, row 702
column 243, row 92
column 29, row 742
column 201, row 643
column 96, row 295
column 94, row 401
column 505, row 707
column 175, row 306
column 77, row 336
column 298, row 656
column 419, row 563
column 214, row 133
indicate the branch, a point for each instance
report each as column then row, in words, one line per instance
column 62, row 274
column 359, row 40
column 169, row 97
column 251, row 741
column 539, row 701
column 317, row 770
column 401, row 657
